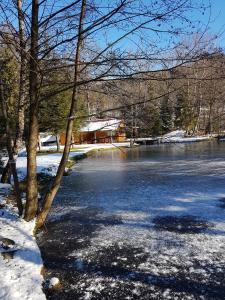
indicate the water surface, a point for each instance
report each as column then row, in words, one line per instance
column 142, row 223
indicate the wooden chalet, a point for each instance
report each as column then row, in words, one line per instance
column 99, row 131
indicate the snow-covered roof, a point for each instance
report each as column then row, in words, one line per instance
column 47, row 138
column 103, row 125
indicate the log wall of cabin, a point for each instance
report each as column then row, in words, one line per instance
column 95, row 137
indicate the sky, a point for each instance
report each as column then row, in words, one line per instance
column 213, row 19
column 217, row 25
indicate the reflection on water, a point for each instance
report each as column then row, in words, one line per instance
column 143, row 177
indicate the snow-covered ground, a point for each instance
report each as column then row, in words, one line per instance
column 175, row 133
column 48, row 163
column 178, row 136
column 186, row 139
column 20, row 276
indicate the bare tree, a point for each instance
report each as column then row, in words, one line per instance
column 56, row 183
column 32, row 191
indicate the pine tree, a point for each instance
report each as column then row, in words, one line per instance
column 54, row 113
column 166, row 115
column 184, row 115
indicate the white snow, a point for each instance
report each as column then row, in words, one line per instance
column 176, row 133
column 167, row 253
column 54, row 281
column 186, row 139
column 103, row 125
column 48, row 163
column 47, row 138
column 178, row 136
column 5, row 188
column 20, row 276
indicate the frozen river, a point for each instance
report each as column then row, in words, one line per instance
column 145, row 223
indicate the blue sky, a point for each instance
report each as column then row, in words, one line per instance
column 217, row 26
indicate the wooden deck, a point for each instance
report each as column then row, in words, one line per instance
column 147, row 140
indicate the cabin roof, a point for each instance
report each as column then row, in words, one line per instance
column 102, row 125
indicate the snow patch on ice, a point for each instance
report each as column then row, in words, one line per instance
column 129, row 215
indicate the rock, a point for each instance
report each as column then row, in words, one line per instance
column 54, row 283
column 2, row 200
column 6, row 243
column 8, row 254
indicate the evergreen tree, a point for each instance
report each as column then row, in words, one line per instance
column 54, row 113
column 166, row 113
column 9, row 82
column 184, row 116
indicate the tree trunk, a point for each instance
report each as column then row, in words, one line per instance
column 18, row 142
column 11, row 162
column 32, row 190
column 6, row 174
column 32, row 187
column 39, row 142
column 57, row 142
column 209, row 123
column 132, row 127
column 69, row 131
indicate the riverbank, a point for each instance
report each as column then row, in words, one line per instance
column 48, row 158
column 20, row 257
column 174, row 137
